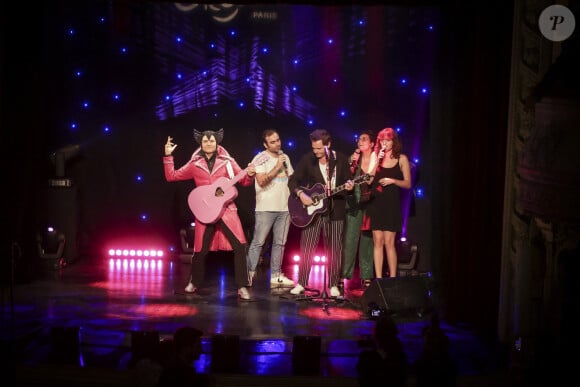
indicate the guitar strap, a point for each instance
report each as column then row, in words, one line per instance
column 230, row 169
column 330, row 174
column 328, row 178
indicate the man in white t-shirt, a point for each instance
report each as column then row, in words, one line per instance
column 272, row 214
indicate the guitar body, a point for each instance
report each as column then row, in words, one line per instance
column 208, row 202
column 301, row 215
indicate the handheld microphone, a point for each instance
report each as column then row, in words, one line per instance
column 353, row 163
column 280, row 153
column 382, row 152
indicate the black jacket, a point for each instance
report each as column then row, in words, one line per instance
column 307, row 173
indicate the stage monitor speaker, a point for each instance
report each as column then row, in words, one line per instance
column 398, row 295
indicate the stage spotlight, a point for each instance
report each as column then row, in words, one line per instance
column 59, row 159
column 306, row 355
column 50, row 246
column 408, row 257
column 61, row 156
column 60, row 204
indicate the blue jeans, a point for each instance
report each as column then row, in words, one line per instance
column 279, row 223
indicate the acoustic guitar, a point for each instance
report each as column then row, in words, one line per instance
column 208, row 202
column 301, row 215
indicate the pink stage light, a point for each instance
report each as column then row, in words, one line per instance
column 317, row 258
column 117, row 252
column 124, row 264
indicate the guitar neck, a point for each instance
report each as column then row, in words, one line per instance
column 333, row 191
column 359, row 180
column 238, row 177
column 336, row 190
column 231, row 182
column 342, row 187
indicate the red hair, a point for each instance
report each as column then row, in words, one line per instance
column 389, row 134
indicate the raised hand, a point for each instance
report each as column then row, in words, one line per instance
column 169, row 146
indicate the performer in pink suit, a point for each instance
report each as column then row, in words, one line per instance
column 209, row 163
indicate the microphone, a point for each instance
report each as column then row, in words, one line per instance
column 382, row 152
column 326, row 152
column 353, row 163
column 280, row 153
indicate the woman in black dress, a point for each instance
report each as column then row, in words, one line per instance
column 393, row 173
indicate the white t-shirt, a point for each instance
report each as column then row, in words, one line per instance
column 274, row 196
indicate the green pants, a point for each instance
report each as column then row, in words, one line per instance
column 357, row 240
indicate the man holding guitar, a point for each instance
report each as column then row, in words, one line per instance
column 213, row 169
column 317, row 212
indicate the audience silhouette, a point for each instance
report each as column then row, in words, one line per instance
column 178, row 369
column 386, row 363
column 435, row 367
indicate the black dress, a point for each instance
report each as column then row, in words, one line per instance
column 384, row 210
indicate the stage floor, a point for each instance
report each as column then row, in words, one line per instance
column 111, row 303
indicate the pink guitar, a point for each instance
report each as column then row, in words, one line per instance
column 208, row 202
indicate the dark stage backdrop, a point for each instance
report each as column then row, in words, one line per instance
column 118, row 77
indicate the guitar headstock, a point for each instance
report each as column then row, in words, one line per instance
column 363, row 178
column 260, row 159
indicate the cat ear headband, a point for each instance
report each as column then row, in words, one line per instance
column 218, row 134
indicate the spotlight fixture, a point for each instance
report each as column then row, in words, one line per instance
column 50, row 246
column 407, row 252
column 59, row 159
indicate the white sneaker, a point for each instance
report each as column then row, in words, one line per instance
column 243, row 293
column 334, row 292
column 281, row 280
column 251, row 275
column 190, row 288
column 298, row 289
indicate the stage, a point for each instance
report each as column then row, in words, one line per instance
column 115, row 305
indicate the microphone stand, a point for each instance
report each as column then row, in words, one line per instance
column 324, row 295
column 328, row 192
